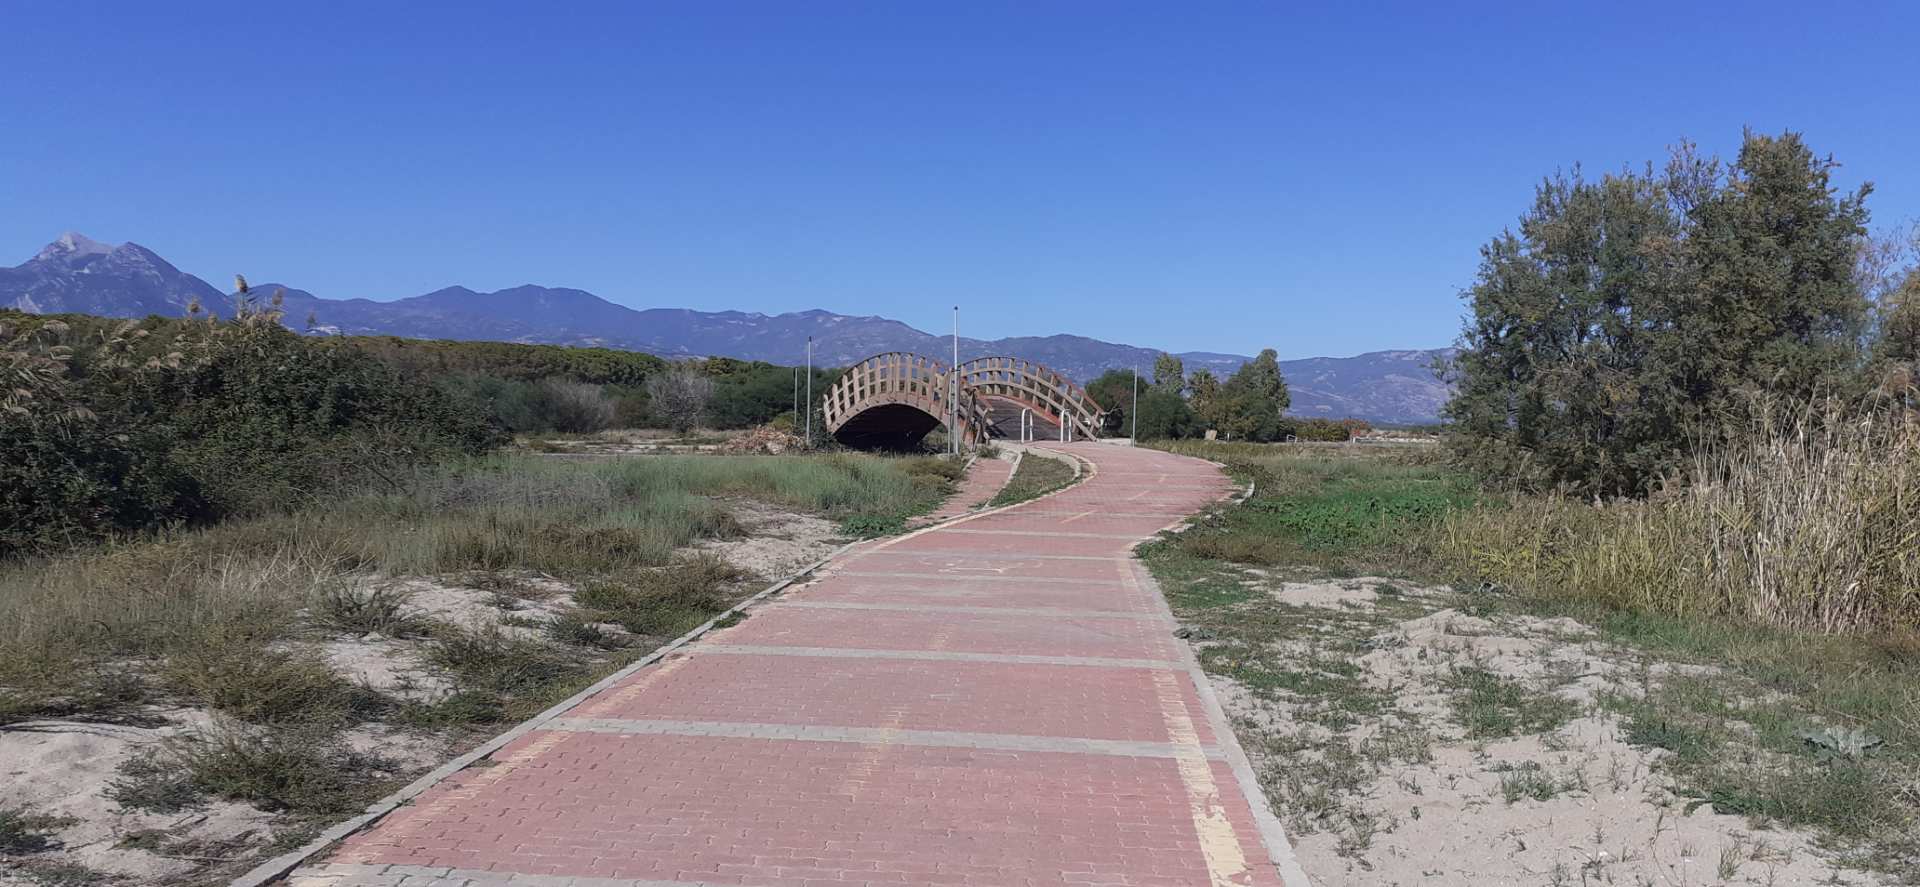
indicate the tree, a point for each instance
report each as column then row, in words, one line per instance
column 1163, row 415
column 1113, row 391
column 1250, row 404
column 1204, row 396
column 1546, row 379
column 1896, row 353
column 1628, row 318
column 680, row 395
column 1169, row 374
column 1774, row 248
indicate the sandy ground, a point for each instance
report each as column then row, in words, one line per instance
column 64, row 769
column 1441, row 816
column 776, row 543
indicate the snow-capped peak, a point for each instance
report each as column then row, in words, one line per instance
column 74, row 243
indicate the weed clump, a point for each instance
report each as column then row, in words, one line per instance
column 301, row 771
column 382, row 609
column 667, row 600
column 254, row 682
column 23, row 831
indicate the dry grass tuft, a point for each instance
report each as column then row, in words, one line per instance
column 1808, row 522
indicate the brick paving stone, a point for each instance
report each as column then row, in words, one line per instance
column 996, row 702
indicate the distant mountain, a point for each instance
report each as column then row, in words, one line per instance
column 75, row 274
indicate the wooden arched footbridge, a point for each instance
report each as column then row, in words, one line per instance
column 893, row 400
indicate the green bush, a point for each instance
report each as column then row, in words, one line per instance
column 1319, row 430
column 113, row 427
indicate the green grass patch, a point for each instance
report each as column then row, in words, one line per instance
column 1321, row 508
column 1492, row 706
column 1035, row 477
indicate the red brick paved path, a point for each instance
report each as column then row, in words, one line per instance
column 998, row 702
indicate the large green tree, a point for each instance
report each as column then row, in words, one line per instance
column 1169, row 373
column 1204, row 397
column 1251, row 403
column 1163, row 414
column 1627, row 318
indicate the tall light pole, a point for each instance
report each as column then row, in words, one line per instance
column 1136, row 403
column 953, row 402
column 809, row 392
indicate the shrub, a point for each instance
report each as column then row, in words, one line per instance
column 23, row 832
column 348, row 607
column 1164, row 414
column 109, row 430
column 253, row 682
column 667, row 600
column 575, row 407
column 1323, row 430
column 299, row 771
column 490, row 660
column 680, row 396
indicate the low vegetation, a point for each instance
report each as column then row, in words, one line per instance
column 1678, row 504
column 1797, row 722
column 1036, row 476
column 492, row 587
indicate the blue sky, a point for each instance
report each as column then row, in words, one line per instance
column 1189, row 176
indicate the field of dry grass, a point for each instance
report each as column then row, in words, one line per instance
column 186, row 703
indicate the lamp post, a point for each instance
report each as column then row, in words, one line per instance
column 1136, row 404
column 953, row 379
column 809, row 392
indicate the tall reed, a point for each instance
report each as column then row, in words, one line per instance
column 1806, row 519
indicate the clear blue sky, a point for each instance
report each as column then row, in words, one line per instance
column 1190, row 176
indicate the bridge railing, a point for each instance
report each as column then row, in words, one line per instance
column 1034, row 386
column 899, row 377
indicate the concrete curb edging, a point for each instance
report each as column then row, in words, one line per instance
column 987, row 512
column 279, row 866
column 1272, row 834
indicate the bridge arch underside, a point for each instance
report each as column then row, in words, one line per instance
column 887, row 426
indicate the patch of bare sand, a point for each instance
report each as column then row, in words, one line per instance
column 777, row 542
column 1360, row 592
column 1578, row 805
column 64, row 769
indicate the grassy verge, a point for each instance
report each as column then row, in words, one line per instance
column 1788, row 728
column 576, row 568
column 1036, row 477
column 243, row 583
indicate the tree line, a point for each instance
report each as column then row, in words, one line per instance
column 1250, row 405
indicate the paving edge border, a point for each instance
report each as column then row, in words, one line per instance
column 280, row 866
column 1272, row 834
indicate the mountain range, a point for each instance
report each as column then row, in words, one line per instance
column 79, row 275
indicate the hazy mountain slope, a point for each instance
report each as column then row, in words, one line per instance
column 74, row 274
